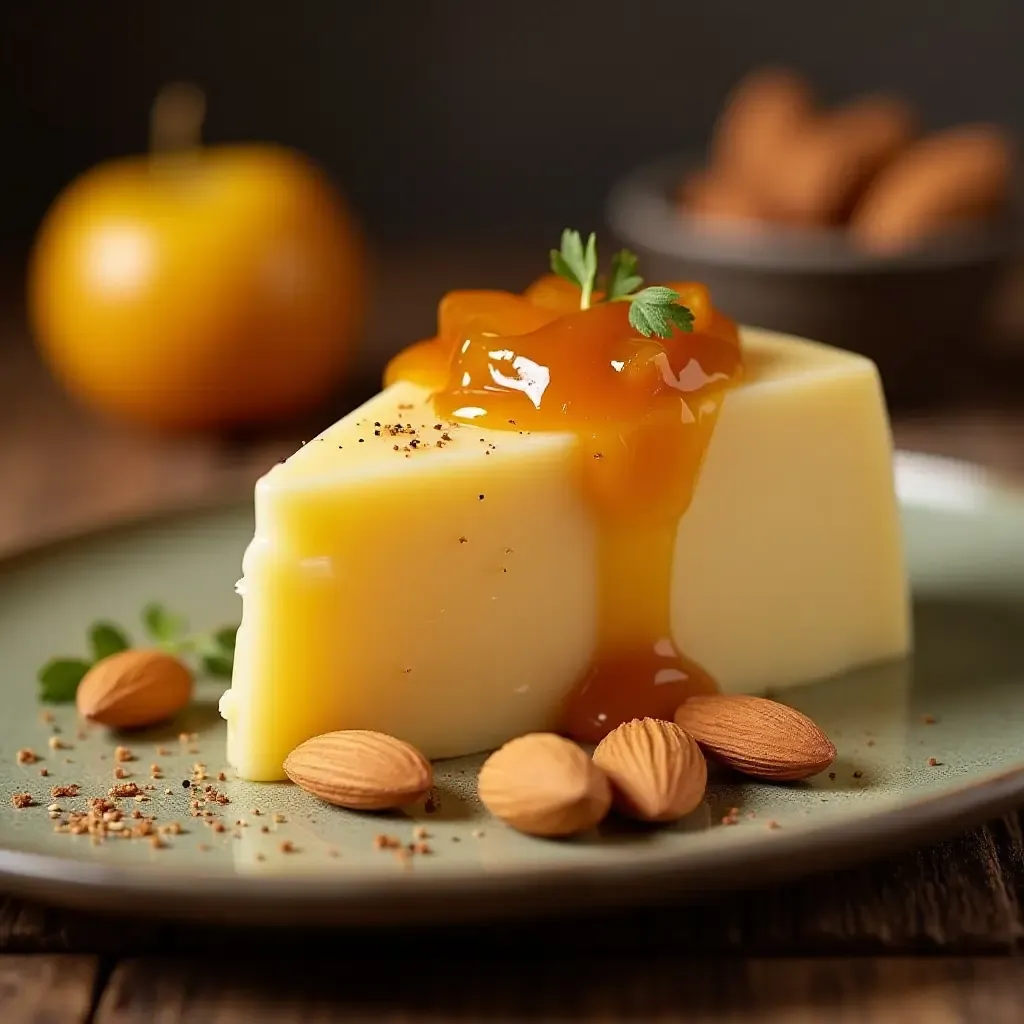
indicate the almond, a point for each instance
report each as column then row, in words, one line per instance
column 134, row 688
column 656, row 770
column 544, row 785
column 757, row 736
column 360, row 769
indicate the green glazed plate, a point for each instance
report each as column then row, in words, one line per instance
column 926, row 748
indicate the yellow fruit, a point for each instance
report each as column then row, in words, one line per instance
column 207, row 288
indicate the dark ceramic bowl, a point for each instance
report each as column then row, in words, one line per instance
column 918, row 314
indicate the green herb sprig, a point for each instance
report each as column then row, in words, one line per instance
column 652, row 311
column 214, row 652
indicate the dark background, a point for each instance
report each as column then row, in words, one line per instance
column 466, row 117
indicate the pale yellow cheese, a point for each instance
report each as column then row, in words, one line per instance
column 445, row 591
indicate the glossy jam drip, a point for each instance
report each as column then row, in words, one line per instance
column 644, row 411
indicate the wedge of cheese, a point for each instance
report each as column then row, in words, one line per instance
column 438, row 583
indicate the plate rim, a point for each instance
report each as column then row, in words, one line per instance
column 390, row 898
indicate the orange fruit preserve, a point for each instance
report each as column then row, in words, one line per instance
column 643, row 409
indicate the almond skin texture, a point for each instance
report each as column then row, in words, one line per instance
column 757, row 736
column 134, row 688
column 360, row 769
column 656, row 770
column 957, row 175
column 544, row 785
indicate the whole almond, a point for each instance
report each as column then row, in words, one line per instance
column 134, row 688
column 360, row 769
column 544, row 785
column 757, row 736
column 656, row 770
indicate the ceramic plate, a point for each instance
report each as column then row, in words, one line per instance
column 926, row 747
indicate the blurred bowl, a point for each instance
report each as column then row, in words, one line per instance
column 918, row 313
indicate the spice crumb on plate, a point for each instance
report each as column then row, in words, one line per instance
column 22, row 800
column 124, row 789
column 26, row 756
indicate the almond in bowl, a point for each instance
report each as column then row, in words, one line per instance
column 778, row 157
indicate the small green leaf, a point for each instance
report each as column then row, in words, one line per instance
column 225, row 638
column 217, row 665
column 106, row 639
column 572, row 254
column 576, row 263
column 623, row 278
column 162, row 625
column 656, row 310
column 681, row 316
column 657, row 295
column 562, row 268
column 59, row 679
column 589, row 270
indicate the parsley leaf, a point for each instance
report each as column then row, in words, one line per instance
column 59, row 679
column 167, row 629
column 653, row 311
column 225, row 638
column 217, row 651
column 623, row 279
column 576, row 263
column 218, row 665
column 106, row 639
column 656, row 310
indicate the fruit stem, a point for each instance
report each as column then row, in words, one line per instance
column 176, row 119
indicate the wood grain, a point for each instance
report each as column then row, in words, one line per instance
column 961, row 896
column 457, row 985
column 47, row 989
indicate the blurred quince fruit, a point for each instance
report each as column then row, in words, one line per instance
column 195, row 287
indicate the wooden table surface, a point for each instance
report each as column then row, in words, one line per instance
column 928, row 936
